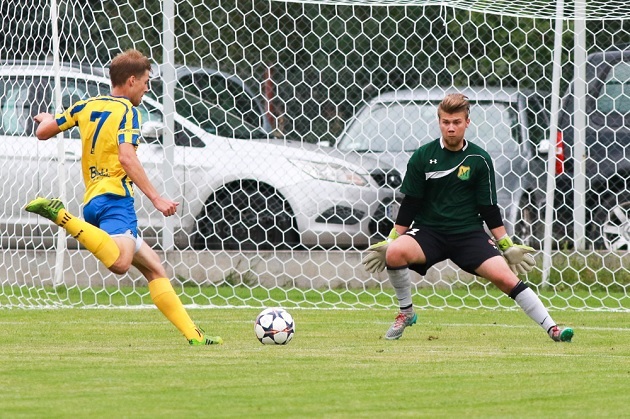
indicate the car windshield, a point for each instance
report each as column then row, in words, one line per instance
column 614, row 95
column 15, row 107
column 405, row 126
column 394, row 127
column 212, row 117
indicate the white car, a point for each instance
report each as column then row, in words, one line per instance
column 217, row 88
column 234, row 193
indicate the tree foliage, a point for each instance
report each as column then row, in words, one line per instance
column 327, row 60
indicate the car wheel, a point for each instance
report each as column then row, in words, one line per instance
column 530, row 227
column 248, row 216
column 598, row 217
column 616, row 228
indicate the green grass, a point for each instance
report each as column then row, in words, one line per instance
column 472, row 296
column 453, row 363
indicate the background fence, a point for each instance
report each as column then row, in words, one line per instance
column 284, row 157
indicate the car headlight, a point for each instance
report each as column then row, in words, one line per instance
column 390, row 178
column 331, row 172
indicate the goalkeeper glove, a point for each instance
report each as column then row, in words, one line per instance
column 518, row 256
column 375, row 262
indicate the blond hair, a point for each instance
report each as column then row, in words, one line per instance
column 454, row 103
column 126, row 64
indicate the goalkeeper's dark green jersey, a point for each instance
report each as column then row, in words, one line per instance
column 452, row 185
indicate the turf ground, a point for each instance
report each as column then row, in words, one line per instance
column 453, row 363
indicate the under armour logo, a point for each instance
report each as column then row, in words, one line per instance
column 432, row 161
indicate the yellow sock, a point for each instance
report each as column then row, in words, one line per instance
column 92, row 238
column 164, row 297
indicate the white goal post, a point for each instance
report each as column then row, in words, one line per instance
column 268, row 121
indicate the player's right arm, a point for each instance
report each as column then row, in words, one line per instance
column 47, row 127
column 375, row 260
column 128, row 134
column 132, row 166
column 413, row 189
column 518, row 257
column 412, row 186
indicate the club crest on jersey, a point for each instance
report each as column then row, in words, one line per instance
column 464, row 172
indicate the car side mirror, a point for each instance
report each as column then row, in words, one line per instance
column 152, row 130
column 543, row 147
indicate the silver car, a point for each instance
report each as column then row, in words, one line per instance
column 235, row 193
column 507, row 123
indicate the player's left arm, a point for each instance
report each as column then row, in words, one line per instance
column 518, row 257
column 47, row 127
column 50, row 125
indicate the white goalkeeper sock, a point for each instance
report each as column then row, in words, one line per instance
column 399, row 278
column 532, row 306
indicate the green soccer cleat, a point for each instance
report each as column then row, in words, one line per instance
column 402, row 321
column 561, row 335
column 206, row 340
column 47, row 208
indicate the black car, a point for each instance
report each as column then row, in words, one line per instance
column 607, row 154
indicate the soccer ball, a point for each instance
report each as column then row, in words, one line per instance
column 274, row 326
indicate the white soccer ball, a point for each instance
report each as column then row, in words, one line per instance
column 274, row 326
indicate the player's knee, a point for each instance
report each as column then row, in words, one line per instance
column 404, row 251
column 119, row 269
column 122, row 265
column 395, row 255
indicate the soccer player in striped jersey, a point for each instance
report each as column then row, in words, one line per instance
column 110, row 132
column 449, row 192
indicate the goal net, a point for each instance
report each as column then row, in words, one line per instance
column 283, row 129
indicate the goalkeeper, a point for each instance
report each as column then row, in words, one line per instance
column 449, row 192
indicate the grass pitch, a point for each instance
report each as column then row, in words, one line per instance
column 453, row 363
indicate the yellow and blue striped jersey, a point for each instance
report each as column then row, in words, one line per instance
column 104, row 122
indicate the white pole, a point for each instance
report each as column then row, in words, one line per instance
column 553, row 133
column 169, row 78
column 579, row 126
column 61, row 158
